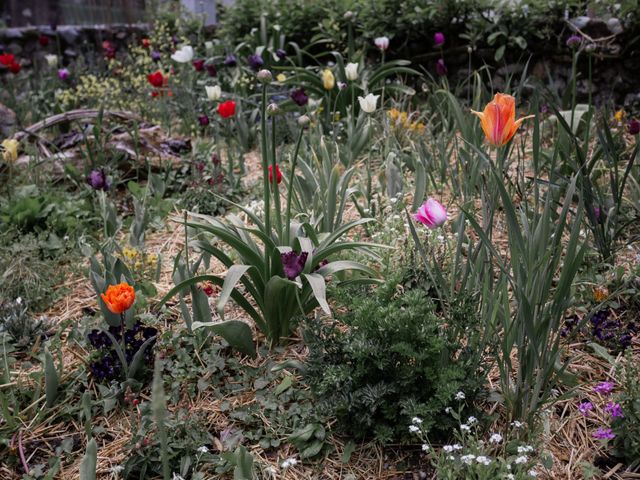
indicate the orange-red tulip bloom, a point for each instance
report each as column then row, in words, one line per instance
column 119, row 298
column 499, row 119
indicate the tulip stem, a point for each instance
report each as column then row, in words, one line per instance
column 292, row 177
column 274, row 179
column 265, row 174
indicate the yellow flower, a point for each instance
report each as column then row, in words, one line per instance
column 152, row 259
column 137, row 265
column 10, row 150
column 393, row 114
column 328, row 80
column 129, row 253
column 619, row 115
column 281, row 77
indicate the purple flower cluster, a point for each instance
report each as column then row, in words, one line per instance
column 107, row 365
column 606, row 329
column 98, row 180
column 613, row 409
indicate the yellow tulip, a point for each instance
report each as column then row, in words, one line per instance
column 281, row 77
column 499, row 119
column 10, row 150
column 328, row 80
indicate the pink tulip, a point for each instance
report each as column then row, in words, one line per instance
column 431, row 213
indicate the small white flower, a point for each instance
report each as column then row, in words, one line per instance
column 532, row 473
column 19, row 301
column 213, row 92
column 460, row 395
column 465, row 428
column 413, row 429
column 52, row 60
column 289, row 462
column 368, row 103
column 425, row 447
column 468, row 459
column 184, row 55
column 382, row 43
column 448, row 448
column 510, row 477
column 495, row 438
column 351, row 71
column 117, row 469
column 525, row 449
column 472, row 420
column 447, row 410
column 521, row 459
column 416, row 421
column 516, row 424
column 457, row 446
column 451, row 457
column 203, row 449
column 483, row 460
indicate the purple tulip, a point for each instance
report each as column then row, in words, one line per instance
column 255, row 62
column 441, row 68
column 293, row 263
column 574, row 41
column 155, row 56
column 64, row 74
column 431, row 214
column 634, row 127
column 98, row 180
column 438, row 39
column 203, row 120
column 212, row 70
column 300, row 97
column 281, row 54
column 604, row 434
column 231, row 60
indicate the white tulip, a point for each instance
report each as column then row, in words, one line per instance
column 184, row 55
column 213, row 93
column 52, row 60
column 382, row 43
column 368, row 103
column 351, row 71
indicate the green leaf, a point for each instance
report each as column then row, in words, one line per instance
column 50, row 379
column 319, row 288
column 159, row 409
column 284, row 385
column 244, row 464
column 602, row 352
column 237, row 333
column 89, row 462
column 349, row 448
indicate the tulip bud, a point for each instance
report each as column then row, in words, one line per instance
column 351, row 71
column 273, row 109
column 265, row 76
column 304, row 120
column 348, row 15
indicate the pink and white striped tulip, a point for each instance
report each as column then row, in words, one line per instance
column 431, row 214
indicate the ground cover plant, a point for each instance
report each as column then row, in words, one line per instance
column 297, row 247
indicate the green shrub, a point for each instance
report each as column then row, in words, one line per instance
column 398, row 358
column 627, row 428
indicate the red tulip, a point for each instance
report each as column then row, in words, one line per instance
column 15, row 68
column 227, row 109
column 7, row 59
column 43, row 40
column 156, row 79
column 146, row 43
column 278, row 174
column 198, row 65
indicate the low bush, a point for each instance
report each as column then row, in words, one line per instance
column 391, row 356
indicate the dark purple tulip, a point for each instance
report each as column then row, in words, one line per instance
column 63, row 74
column 255, row 62
column 293, row 263
column 98, row 180
column 231, row 60
column 198, row 64
column 441, row 68
column 574, row 41
column 438, row 39
column 300, row 97
column 203, row 120
column 281, row 54
column 155, row 56
column 634, row 127
column 212, row 70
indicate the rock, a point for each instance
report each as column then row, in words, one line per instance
column 7, row 121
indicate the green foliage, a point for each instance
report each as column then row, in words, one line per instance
column 397, row 359
column 627, row 442
column 19, row 327
column 89, row 461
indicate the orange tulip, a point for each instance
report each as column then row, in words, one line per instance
column 119, row 298
column 499, row 119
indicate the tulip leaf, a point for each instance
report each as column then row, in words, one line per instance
column 319, row 288
column 237, row 333
column 50, row 379
column 89, row 462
